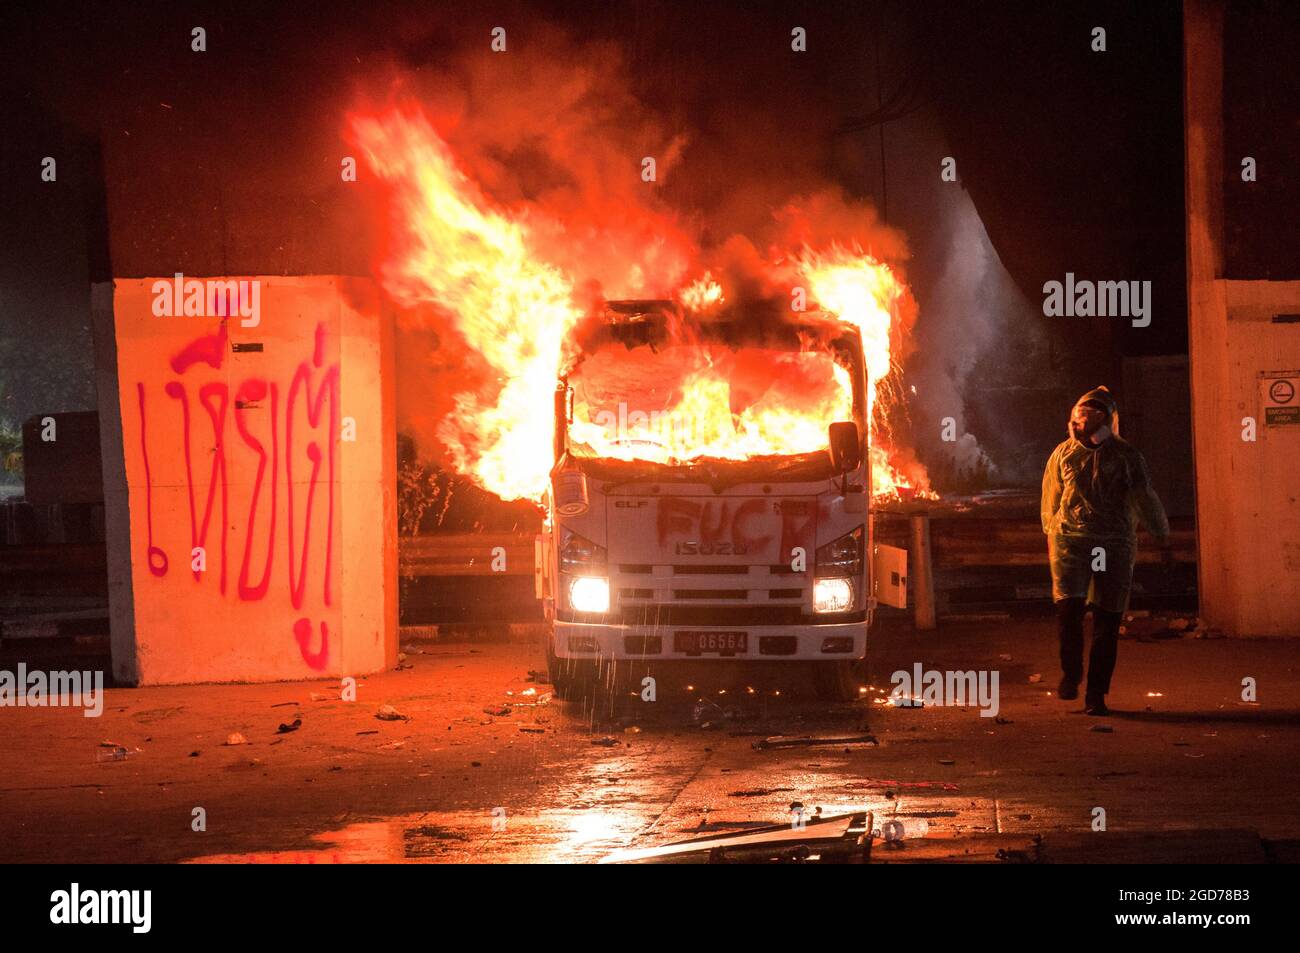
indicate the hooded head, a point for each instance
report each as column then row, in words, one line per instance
column 1094, row 418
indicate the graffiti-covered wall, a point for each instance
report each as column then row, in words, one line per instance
column 252, row 464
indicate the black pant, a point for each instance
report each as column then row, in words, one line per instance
column 1105, row 644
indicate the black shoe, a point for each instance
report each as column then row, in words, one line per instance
column 1095, row 705
column 1068, row 689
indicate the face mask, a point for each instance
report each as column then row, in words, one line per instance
column 1100, row 435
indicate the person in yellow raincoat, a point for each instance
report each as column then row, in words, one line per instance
column 1096, row 489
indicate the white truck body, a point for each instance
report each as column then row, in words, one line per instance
column 729, row 561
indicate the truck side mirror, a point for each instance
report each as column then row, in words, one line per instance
column 846, row 449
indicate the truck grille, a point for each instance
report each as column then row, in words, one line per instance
column 710, row 594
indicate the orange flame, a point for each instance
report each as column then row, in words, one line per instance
column 513, row 308
column 493, row 271
column 866, row 293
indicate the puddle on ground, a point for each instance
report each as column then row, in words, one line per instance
column 464, row 837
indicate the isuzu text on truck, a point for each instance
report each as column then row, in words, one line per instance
column 710, row 498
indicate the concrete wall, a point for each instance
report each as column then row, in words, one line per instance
column 235, row 439
column 1247, row 492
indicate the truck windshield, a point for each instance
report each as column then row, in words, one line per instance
column 682, row 403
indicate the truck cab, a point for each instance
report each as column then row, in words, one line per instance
column 710, row 498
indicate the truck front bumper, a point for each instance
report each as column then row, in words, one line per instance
column 791, row 643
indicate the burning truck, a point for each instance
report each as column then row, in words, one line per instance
column 705, row 451
column 711, row 496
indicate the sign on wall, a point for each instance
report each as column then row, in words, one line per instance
column 1280, row 395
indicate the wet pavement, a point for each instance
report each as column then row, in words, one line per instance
column 484, row 765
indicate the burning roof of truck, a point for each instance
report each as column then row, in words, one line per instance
column 657, row 383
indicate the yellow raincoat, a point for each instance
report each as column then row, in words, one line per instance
column 1092, row 501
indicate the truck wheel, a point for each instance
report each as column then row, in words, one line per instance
column 836, row 681
column 572, row 679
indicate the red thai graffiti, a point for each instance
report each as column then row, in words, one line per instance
column 312, row 385
column 154, row 556
column 252, row 392
column 302, row 633
column 328, row 388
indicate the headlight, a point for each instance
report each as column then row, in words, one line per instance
column 578, row 553
column 832, row 595
column 843, row 556
column 589, row 594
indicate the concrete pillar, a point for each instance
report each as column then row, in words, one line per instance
column 250, row 484
column 1247, row 514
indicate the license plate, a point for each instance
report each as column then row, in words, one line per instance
column 723, row 643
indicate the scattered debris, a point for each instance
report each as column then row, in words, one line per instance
column 292, row 726
column 532, row 731
column 541, row 699
column 194, row 754
column 392, row 744
column 1104, row 729
column 1035, row 678
column 606, row 742
column 236, row 738
column 498, row 710
column 757, row 792
column 110, row 751
column 319, row 697
column 947, row 761
column 284, row 704
column 705, row 713
column 369, row 731
column 814, row 741
column 999, row 720
column 632, row 730
column 891, row 786
column 389, row 713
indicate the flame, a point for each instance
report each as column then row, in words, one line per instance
column 494, row 272
column 709, row 402
column 452, row 249
column 867, row 294
column 703, row 294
